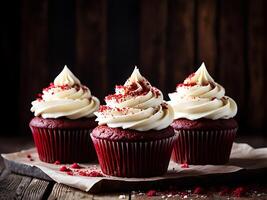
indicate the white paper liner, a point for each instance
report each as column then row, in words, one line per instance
column 242, row 156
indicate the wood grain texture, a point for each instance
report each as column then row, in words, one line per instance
column 34, row 56
column 67, row 193
column 112, row 196
column 22, row 187
column 257, row 56
column 9, row 185
column 36, row 190
column 153, row 41
column 180, row 42
column 91, row 44
column 206, row 32
column 232, row 57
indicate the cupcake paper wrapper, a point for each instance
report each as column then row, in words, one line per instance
column 203, row 147
column 66, row 146
column 134, row 159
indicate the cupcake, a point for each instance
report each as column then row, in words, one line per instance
column 204, row 120
column 64, row 119
column 134, row 137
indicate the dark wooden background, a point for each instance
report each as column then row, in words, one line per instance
column 102, row 40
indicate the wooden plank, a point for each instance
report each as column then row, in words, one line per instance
column 1, row 165
column 153, row 41
column 231, row 47
column 206, row 33
column 36, row 190
column 91, row 45
column 112, row 196
column 26, row 170
column 60, row 191
column 9, row 185
column 257, row 57
column 179, row 42
column 23, row 186
column 34, row 70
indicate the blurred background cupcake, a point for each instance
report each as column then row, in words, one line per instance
column 134, row 137
column 64, row 118
column 203, row 119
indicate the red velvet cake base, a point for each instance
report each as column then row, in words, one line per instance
column 135, row 157
column 69, row 143
column 203, row 141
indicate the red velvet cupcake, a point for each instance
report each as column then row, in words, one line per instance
column 203, row 120
column 64, row 120
column 134, row 137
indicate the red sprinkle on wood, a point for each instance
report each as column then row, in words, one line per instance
column 151, row 193
column 239, row 192
column 198, row 190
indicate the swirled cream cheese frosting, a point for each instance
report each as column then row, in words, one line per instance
column 199, row 96
column 135, row 105
column 66, row 97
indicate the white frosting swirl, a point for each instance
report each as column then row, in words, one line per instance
column 136, row 105
column 66, row 97
column 201, row 97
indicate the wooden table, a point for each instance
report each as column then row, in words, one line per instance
column 14, row 186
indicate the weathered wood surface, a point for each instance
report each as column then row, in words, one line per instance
column 22, row 187
column 65, row 192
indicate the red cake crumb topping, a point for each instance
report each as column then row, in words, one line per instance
column 239, row 192
column 191, row 76
column 184, row 165
column 70, row 173
column 131, row 90
column 30, row 157
column 51, row 85
column 151, row 193
column 90, row 173
column 104, row 108
column 57, row 162
column 185, row 84
column 64, row 169
column 75, row 166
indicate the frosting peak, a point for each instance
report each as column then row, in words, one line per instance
column 135, row 77
column 66, row 77
column 200, row 77
column 135, row 105
column 199, row 96
column 66, row 97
